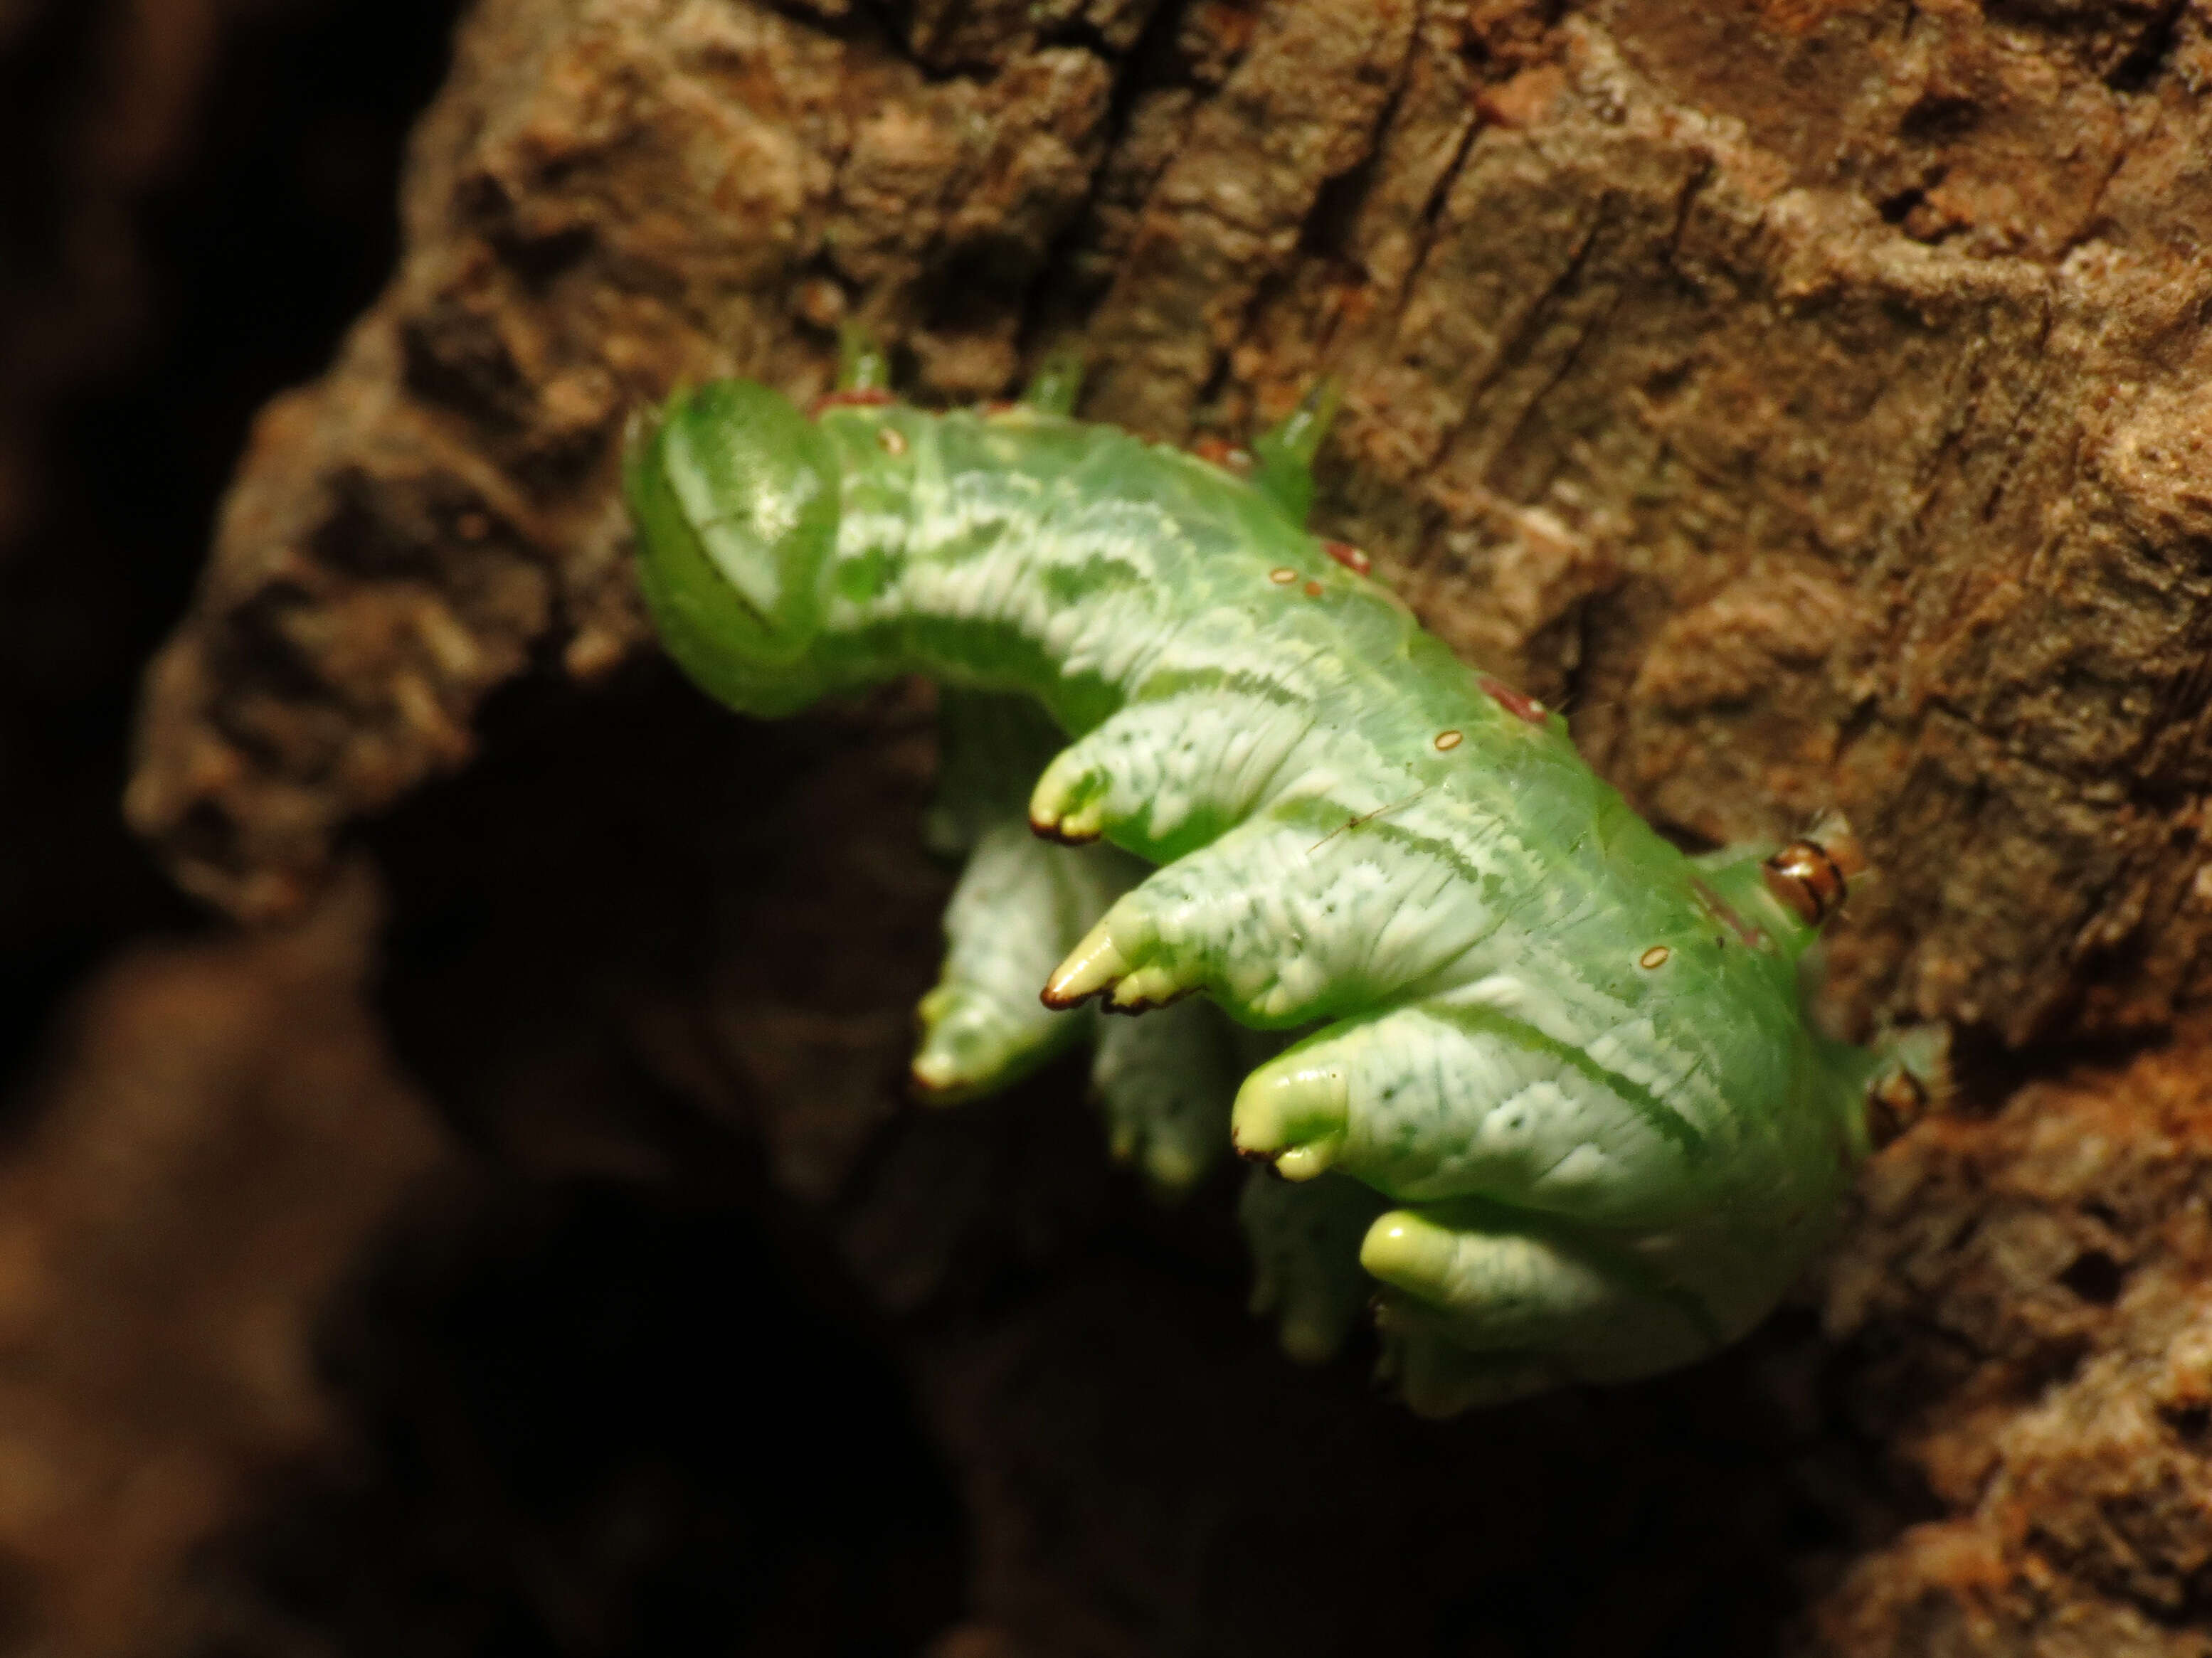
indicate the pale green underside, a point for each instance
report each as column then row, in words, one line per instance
column 1589, row 1133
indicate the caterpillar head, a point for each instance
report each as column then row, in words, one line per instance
column 734, row 494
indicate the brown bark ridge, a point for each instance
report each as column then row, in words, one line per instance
column 1811, row 395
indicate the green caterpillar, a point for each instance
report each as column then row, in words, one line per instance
column 1552, row 1083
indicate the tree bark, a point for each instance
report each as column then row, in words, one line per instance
column 1813, row 398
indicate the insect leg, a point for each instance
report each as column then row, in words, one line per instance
column 1279, row 922
column 1165, row 1082
column 1438, row 1379
column 1166, row 775
column 1018, row 906
column 1433, row 1100
column 1483, row 1306
column 1306, row 1258
column 1018, row 902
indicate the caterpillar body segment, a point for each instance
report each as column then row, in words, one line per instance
column 1560, row 1070
column 1172, row 771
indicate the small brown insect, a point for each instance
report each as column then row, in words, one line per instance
column 891, row 439
column 1654, row 957
column 1282, row 575
column 1447, row 741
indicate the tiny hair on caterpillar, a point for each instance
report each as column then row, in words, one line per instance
column 1495, row 1044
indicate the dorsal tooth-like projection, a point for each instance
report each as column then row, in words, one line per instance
column 1548, row 1083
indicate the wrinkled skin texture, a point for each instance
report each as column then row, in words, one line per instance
column 1577, row 1060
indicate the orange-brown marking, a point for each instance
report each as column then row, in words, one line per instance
column 1447, row 741
column 1654, row 957
column 1809, row 881
column 860, row 397
column 1349, row 556
column 1516, row 703
column 1313, row 589
column 1223, row 453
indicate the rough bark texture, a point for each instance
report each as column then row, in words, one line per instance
column 225, row 1127
column 1811, row 396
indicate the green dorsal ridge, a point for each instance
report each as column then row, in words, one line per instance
column 1283, row 455
column 1057, row 383
column 862, row 363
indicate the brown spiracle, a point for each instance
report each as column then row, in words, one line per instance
column 1895, row 1101
column 1807, row 878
